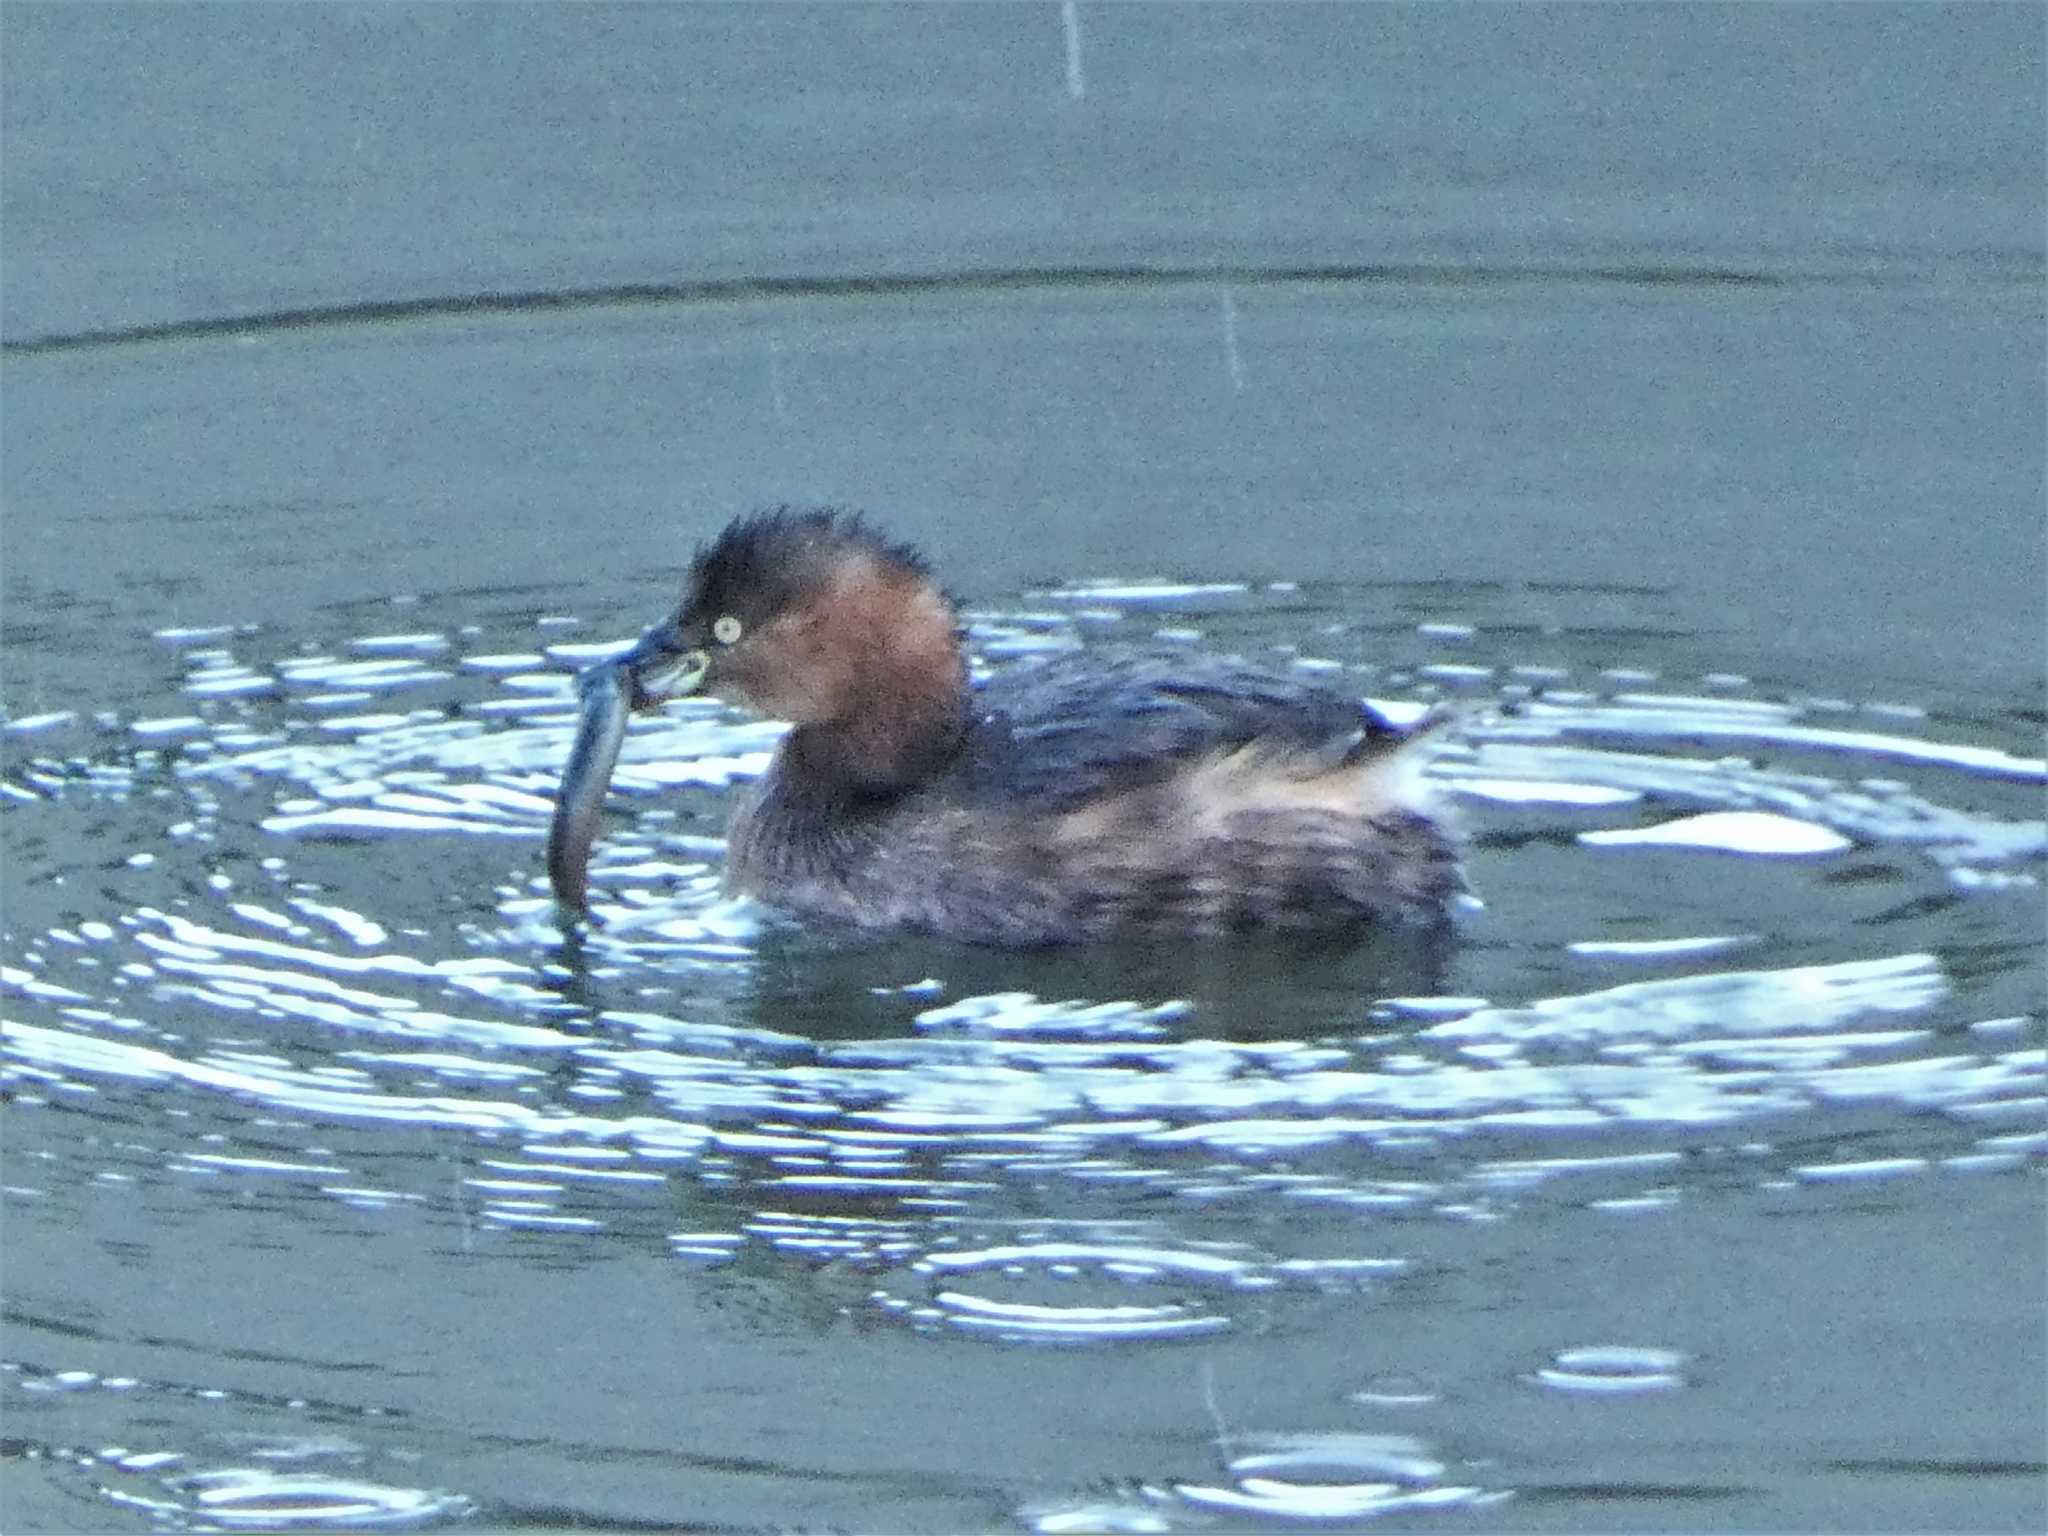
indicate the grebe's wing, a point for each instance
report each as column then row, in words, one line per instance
column 1078, row 724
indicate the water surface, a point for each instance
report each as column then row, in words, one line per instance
column 1694, row 452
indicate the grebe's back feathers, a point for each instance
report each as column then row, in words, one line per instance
column 1076, row 726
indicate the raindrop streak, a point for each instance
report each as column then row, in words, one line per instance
column 1231, row 360
column 775, row 394
column 1070, row 24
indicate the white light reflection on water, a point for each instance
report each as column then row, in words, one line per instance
column 258, row 1498
column 1751, row 832
column 241, row 1481
column 1613, row 1369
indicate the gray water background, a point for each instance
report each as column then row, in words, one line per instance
column 1855, row 195
column 1703, row 340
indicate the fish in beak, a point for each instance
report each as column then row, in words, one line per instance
column 659, row 667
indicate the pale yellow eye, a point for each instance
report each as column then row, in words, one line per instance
column 725, row 629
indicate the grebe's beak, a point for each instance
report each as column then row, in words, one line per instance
column 658, row 667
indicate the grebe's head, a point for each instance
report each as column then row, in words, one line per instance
column 810, row 616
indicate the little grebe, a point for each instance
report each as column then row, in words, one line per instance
column 1094, row 794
